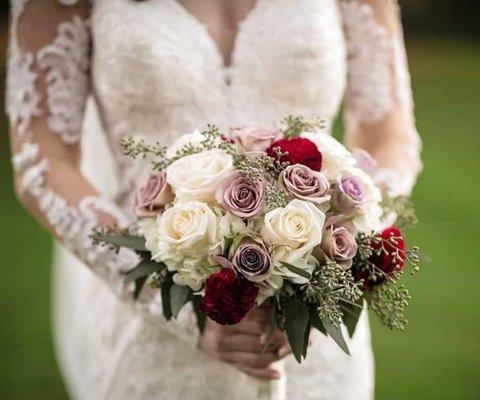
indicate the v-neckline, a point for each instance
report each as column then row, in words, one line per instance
column 209, row 38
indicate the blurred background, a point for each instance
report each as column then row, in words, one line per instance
column 438, row 357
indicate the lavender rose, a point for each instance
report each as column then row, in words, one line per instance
column 252, row 260
column 153, row 196
column 338, row 241
column 306, row 184
column 254, row 139
column 350, row 194
column 240, row 196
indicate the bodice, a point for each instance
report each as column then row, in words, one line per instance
column 158, row 73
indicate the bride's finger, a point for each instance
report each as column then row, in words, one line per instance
column 254, row 360
column 246, row 343
column 250, row 327
column 260, row 373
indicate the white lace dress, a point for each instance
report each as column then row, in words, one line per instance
column 151, row 69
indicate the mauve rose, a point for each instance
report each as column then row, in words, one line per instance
column 153, row 196
column 349, row 193
column 254, row 139
column 252, row 260
column 338, row 241
column 306, row 184
column 240, row 196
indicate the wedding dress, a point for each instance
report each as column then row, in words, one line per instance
column 84, row 74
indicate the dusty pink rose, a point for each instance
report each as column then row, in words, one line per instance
column 350, row 194
column 365, row 161
column 153, row 196
column 306, row 184
column 338, row 241
column 240, row 196
column 254, row 139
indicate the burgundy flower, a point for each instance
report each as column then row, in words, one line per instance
column 300, row 151
column 389, row 256
column 227, row 298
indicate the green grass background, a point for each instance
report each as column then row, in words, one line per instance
column 439, row 355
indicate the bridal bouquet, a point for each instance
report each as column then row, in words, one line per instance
column 285, row 215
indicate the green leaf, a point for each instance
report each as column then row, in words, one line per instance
column 306, row 339
column 336, row 334
column 296, row 323
column 201, row 317
column 128, row 241
column 316, row 321
column 166, row 303
column 145, row 268
column 351, row 314
column 179, row 295
column 139, row 283
column 296, row 270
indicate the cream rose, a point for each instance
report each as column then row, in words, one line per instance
column 197, row 176
column 181, row 238
column 335, row 157
column 294, row 230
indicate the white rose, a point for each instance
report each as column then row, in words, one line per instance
column 335, row 157
column 196, row 177
column 293, row 230
column 181, row 238
column 193, row 138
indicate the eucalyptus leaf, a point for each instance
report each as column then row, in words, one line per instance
column 178, row 297
column 296, row 323
column 139, row 283
column 316, row 321
column 129, row 241
column 143, row 269
column 201, row 317
column 296, row 270
column 166, row 303
column 336, row 334
column 351, row 315
column 306, row 340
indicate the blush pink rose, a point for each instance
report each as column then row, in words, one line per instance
column 254, row 139
column 153, row 196
column 241, row 197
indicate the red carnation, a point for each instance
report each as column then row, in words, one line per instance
column 228, row 299
column 388, row 256
column 300, row 151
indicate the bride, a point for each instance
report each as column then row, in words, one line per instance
column 83, row 74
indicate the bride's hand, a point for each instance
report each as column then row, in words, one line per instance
column 241, row 345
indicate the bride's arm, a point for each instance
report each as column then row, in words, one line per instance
column 378, row 107
column 47, row 87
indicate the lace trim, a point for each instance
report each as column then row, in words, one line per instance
column 369, row 48
column 22, row 98
column 67, row 62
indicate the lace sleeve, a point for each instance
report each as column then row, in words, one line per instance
column 378, row 105
column 47, row 87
